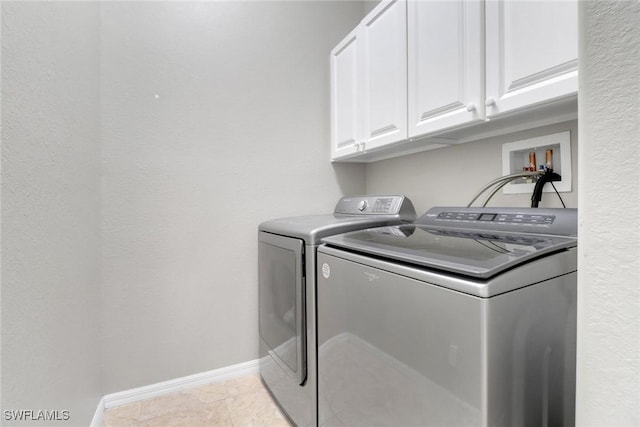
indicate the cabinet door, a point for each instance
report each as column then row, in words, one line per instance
column 344, row 97
column 446, row 64
column 532, row 53
column 384, row 74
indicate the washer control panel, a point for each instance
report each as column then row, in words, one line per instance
column 497, row 217
column 554, row 221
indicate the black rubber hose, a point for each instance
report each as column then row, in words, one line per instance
column 537, row 190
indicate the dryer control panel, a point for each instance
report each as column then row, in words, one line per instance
column 374, row 205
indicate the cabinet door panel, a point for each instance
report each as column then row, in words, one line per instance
column 532, row 51
column 384, row 74
column 344, row 97
column 446, row 75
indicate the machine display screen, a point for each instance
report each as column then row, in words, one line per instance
column 496, row 218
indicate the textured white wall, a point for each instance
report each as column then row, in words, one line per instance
column 609, row 208
column 451, row 176
column 215, row 117
column 50, row 209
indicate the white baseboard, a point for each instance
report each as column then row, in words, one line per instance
column 173, row 386
column 97, row 417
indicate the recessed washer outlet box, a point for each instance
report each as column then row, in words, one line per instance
column 516, row 157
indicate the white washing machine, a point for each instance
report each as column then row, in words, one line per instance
column 287, row 294
column 465, row 318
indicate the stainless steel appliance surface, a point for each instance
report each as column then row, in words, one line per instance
column 287, row 294
column 466, row 317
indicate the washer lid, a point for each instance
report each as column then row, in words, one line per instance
column 478, row 254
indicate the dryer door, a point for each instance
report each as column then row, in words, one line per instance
column 281, row 294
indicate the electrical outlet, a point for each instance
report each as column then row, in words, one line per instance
column 516, row 157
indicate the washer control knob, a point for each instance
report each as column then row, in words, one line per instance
column 362, row 205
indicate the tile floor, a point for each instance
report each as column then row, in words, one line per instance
column 240, row 402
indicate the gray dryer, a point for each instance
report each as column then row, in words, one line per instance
column 287, row 294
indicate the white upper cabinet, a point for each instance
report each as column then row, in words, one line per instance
column 384, row 74
column 446, row 64
column 421, row 74
column 531, row 53
column 345, row 103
